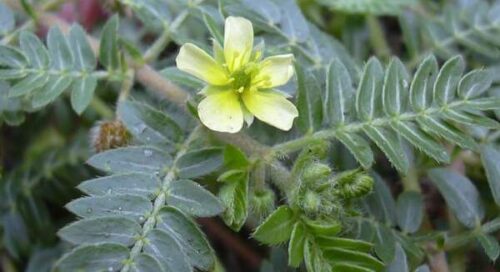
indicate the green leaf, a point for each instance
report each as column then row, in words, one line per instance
column 421, row 86
column 193, row 199
column 82, row 92
column 153, row 13
column 8, row 74
column 29, row 84
column 200, row 162
column 7, row 21
column 114, row 229
column 313, row 257
column 438, row 128
column 380, row 203
column 394, row 91
column 369, row 90
column 55, row 86
column 293, row 23
column 268, row 9
column 339, row 93
column 139, row 159
column 234, row 195
column 470, row 119
column 182, row 78
column 100, row 257
column 130, row 206
column 134, row 184
column 213, row 27
column 109, row 54
column 390, row 144
column 146, row 263
column 12, row 57
column 149, row 125
column 189, row 237
column 344, row 243
column 423, row 268
column 421, row 141
column 234, row 158
column 410, row 211
column 358, row 146
column 338, row 255
column 320, row 227
column 59, row 51
column 447, row 80
column 15, row 234
column 460, row 194
column 167, row 251
column 296, row 245
column 400, row 262
column 376, row 7
column 490, row 246
column 490, row 157
column 277, row 228
column 483, row 104
column 474, row 84
column 34, row 50
column 385, row 243
column 308, row 101
column 83, row 56
column 413, row 250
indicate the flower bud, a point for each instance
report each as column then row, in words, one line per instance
column 311, row 202
column 353, row 184
column 109, row 135
column 262, row 202
column 316, row 171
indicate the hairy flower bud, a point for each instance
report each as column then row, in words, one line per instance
column 311, row 202
column 353, row 184
column 109, row 135
column 262, row 202
column 316, row 171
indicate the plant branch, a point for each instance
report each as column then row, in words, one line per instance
column 329, row 134
column 160, row 200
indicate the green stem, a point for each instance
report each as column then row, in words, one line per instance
column 410, row 181
column 101, row 108
column 457, row 256
column 377, row 37
column 127, row 85
column 163, row 40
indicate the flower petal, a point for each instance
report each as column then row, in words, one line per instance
column 193, row 60
column 221, row 112
column 274, row 71
column 238, row 42
column 271, row 108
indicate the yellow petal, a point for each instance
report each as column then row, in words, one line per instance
column 193, row 60
column 211, row 89
column 274, row 71
column 238, row 42
column 271, row 108
column 221, row 112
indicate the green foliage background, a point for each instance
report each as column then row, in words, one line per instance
column 392, row 165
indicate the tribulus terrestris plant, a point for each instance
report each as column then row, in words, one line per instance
column 249, row 135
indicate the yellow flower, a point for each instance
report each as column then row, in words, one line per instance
column 240, row 84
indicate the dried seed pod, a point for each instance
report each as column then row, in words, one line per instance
column 107, row 135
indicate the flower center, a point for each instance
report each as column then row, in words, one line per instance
column 241, row 80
